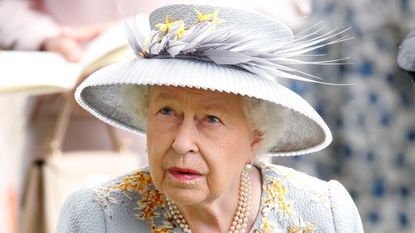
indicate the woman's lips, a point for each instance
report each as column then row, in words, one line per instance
column 182, row 174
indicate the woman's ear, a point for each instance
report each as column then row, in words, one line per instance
column 256, row 142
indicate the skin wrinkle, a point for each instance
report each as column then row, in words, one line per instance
column 216, row 108
column 184, row 138
column 267, row 119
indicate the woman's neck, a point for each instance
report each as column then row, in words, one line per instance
column 217, row 216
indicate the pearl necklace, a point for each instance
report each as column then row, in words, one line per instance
column 239, row 222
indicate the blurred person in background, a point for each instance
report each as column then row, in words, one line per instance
column 373, row 120
column 66, row 27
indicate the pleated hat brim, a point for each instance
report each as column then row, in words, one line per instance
column 102, row 94
column 406, row 55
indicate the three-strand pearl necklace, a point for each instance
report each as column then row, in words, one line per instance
column 240, row 220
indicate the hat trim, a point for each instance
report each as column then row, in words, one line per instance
column 78, row 96
column 239, row 47
column 247, row 73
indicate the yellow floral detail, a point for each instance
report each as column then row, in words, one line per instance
column 181, row 29
column 169, row 25
column 212, row 17
column 310, row 228
column 276, row 193
column 294, row 229
column 151, row 202
column 151, row 198
column 175, row 29
column 155, row 229
column 275, row 202
column 166, row 26
column 266, row 226
column 134, row 182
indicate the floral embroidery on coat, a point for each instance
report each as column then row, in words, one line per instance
column 275, row 201
column 150, row 207
column 317, row 195
column 309, row 228
column 278, row 211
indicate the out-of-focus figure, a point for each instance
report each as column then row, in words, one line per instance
column 27, row 123
column 374, row 119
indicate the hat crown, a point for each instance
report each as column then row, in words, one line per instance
column 185, row 50
column 406, row 55
column 268, row 29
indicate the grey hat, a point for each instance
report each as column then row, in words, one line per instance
column 406, row 55
column 219, row 49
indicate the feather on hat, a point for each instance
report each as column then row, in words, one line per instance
column 220, row 49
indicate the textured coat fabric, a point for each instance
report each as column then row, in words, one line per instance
column 291, row 201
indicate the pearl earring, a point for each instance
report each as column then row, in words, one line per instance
column 248, row 167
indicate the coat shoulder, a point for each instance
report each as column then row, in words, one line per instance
column 81, row 213
column 124, row 204
column 299, row 201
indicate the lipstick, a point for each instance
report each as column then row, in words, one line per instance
column 183, row 174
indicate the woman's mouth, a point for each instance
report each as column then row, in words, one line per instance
column 182, row 174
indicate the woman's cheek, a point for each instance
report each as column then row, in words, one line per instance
column 156, row 171
column 157, row 151
column 212, row 134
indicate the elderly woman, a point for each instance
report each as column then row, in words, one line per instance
column 204, row 90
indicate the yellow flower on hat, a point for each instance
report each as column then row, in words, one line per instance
column 165, row 26
column 170, row 25
column 181, row 29
column 212, row 17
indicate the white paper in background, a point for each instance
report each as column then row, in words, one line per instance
column 35, row 72
column 26, row 71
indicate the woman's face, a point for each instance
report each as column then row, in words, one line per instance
column 198, row 142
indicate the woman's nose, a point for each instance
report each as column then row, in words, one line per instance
column 186, row 138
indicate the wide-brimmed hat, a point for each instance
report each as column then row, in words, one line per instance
column 406, row 55
column 219, row 49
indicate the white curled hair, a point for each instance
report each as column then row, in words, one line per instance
column 266, row 120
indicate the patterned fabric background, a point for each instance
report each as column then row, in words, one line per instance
column 373, row 122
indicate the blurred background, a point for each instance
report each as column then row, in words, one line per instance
column 373, row 121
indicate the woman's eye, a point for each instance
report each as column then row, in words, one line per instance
column 166, row 111
column 212, row 119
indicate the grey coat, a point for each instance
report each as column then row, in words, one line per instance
column 291, row 201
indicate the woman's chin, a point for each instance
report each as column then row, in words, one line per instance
column 184, row 191
column 185, row 197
